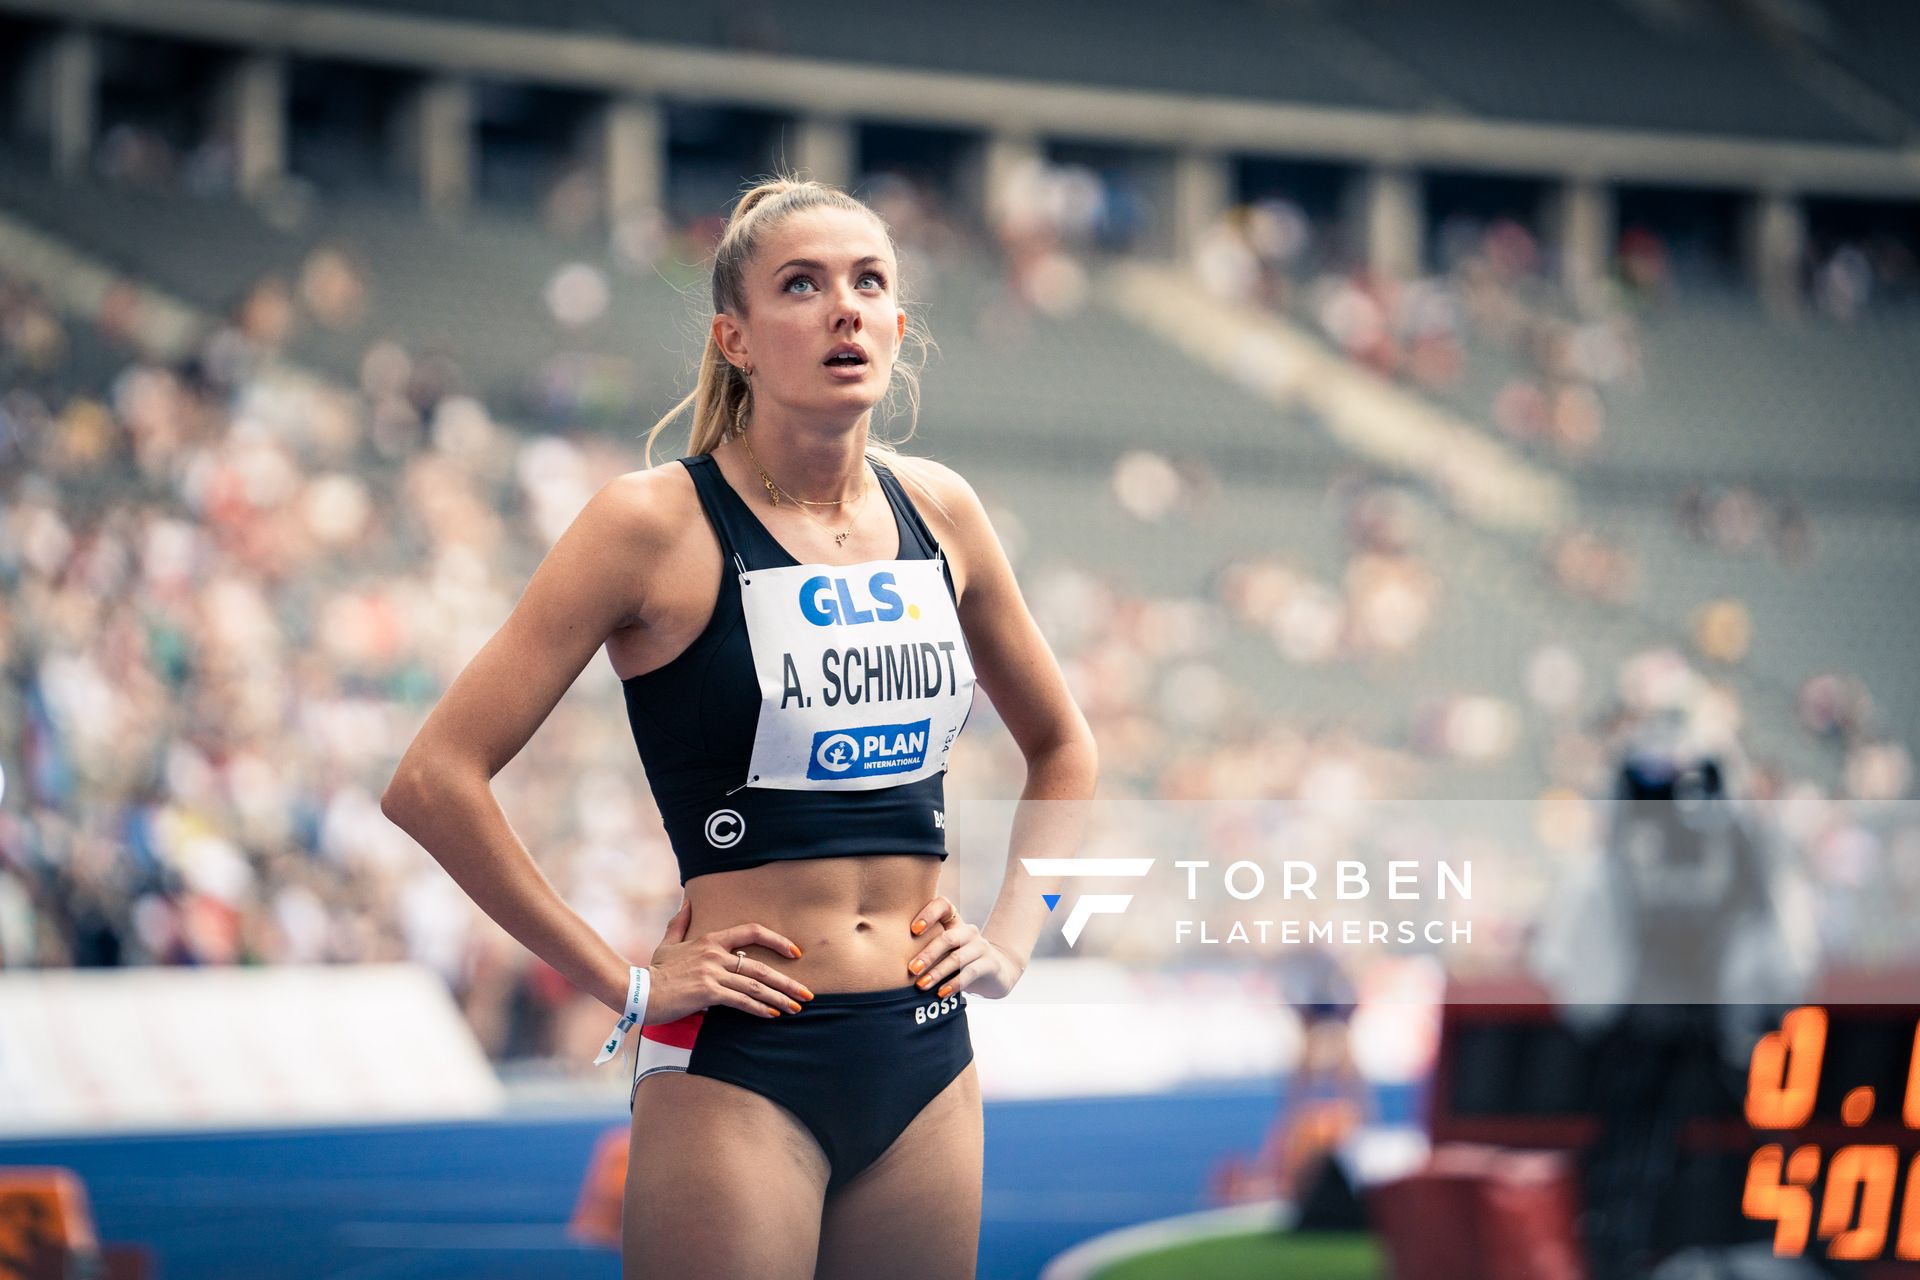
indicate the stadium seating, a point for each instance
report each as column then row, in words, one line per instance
column 1043, row 409
column 1873, row 38
column 1289, row 52
column 1601, row 62
column 1692, row 68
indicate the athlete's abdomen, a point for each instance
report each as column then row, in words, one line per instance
column 851, row 917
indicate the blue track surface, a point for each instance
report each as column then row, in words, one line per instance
column 488, row 1201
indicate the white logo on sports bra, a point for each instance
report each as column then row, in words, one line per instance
column 725, row 828
column 837, row 753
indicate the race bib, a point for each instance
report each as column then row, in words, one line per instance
column 865, row 678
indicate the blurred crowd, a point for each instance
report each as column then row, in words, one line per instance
column 1551, row 361
column 1487, row 293
column 233, row 591
column 1491, row 332
column 1164, row 681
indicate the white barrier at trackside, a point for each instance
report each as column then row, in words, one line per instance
column 94, row 1050
column 1089, row 1028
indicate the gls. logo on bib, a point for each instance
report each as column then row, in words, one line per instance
column 828, row 601
column 867, row 751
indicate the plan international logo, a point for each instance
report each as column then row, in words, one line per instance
column 1092, row 904
column 863, row 752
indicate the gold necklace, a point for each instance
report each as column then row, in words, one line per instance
column 775, row 493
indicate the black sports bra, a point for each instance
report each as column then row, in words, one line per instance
column 695, row 720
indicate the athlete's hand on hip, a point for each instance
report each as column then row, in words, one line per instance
column 691, row 975
column 960, row 957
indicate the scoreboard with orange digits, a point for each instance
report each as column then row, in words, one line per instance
column 1816, row 1144
column 1788, row 1081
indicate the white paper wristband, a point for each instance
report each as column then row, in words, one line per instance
column 639, row 983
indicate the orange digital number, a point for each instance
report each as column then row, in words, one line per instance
column 1865, row 1174
column 1777, row 1193
column 1911, row 1112
column 1784, row 1073
column 1907, row 1245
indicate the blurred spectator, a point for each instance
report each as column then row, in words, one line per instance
column 333, row 288
column 1642, row 262
column 1048, row 217
column 1737, row 520
column 1593, row 566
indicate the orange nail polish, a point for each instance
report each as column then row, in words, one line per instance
column 796, row 951
column 944, row 990
column 805, row 994
column 793, row 1006
column 919, row 927
column 774, row 1012
column 922, row 984
column 917, row 965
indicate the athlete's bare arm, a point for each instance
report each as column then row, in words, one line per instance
column 1011, row 659
column 1017, row 670
column 607, row 572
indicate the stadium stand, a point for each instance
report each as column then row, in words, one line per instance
column 1225, row 581
column 1689, row 66
column 1290, row 53
column 1126, row 580
column 1872, row 37
column 1695, row 68
column 247, row 540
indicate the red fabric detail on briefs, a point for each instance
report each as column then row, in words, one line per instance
column 679, row 1033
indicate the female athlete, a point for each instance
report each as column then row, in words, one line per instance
column 799, row 615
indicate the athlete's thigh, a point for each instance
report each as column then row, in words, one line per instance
column 722, row 1184
column 916, row 1210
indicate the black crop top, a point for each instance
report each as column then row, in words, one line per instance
column 694, row 722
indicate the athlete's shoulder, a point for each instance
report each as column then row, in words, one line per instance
column 923, row 470
column 953, row 500
column 649, row 506
column 662, row 492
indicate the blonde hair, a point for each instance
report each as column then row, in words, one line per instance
column 722, row 393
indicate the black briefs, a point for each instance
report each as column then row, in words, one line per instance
column 855, row 1067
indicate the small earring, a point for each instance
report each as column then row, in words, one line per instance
column 746, row 370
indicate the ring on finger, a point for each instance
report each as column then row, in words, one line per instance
column 741, row 962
